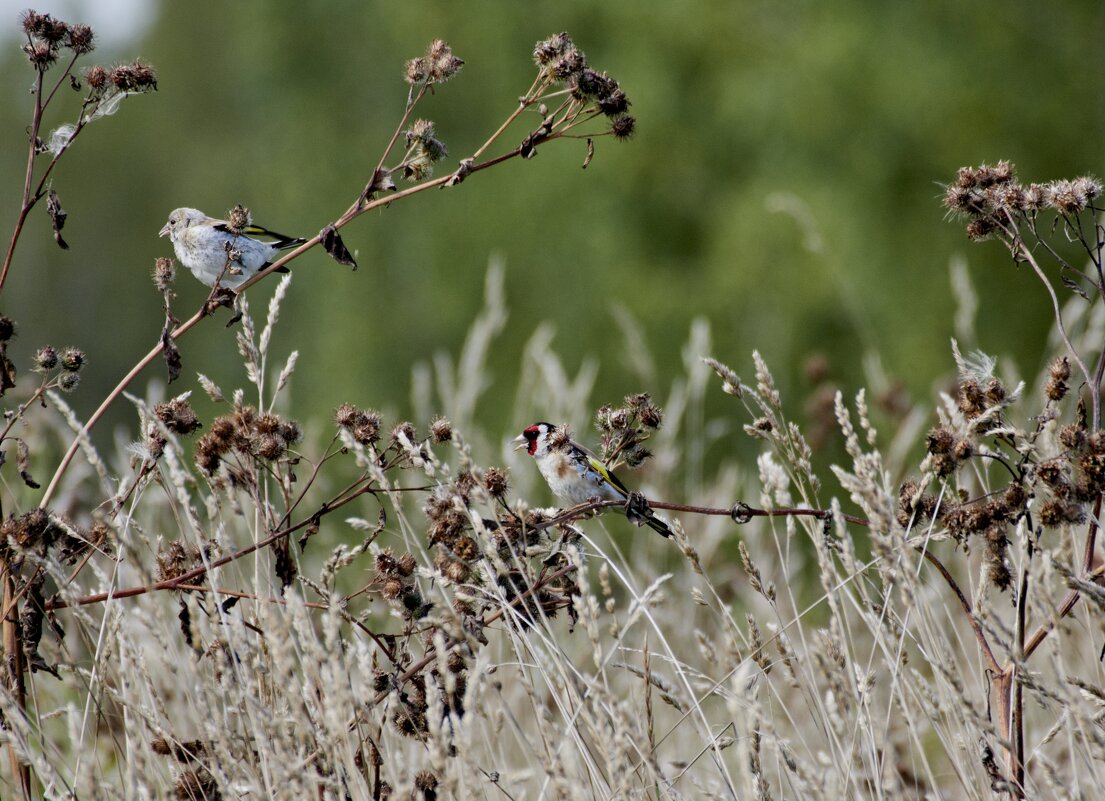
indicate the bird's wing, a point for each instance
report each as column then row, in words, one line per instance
column 280, row 241
column 596, row 464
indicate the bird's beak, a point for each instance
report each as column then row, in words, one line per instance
column 164, row 230
column 520, row 443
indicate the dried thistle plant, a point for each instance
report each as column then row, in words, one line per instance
column 238, row 604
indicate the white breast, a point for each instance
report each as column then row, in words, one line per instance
column 573, row 482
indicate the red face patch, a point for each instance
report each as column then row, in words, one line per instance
column 531, row 434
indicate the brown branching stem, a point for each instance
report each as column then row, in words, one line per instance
column 26, row 205
column 248, row 596
column 1071, row 599
column 185, row 578
column 1024, row 253
column 31, row 198
column 992, row 663
column 176, row 582
column 23, row 407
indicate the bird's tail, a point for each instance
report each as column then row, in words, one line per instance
column 658, row 525
column 639, row 512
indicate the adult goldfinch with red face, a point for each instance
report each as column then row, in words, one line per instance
column 575, row 475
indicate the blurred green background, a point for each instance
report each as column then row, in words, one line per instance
column 783, row 184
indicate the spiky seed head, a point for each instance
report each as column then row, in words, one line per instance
column 367, row 429
column 239, row 219
column 572, row 62
column 386, row 563
column 67, row 382
column 623, row 127
column 97, row 78
column 456, row 572
column 637, row 456
column 271, row 447
column 416, row 71
column 972, row 400
column 495, row 482
column 548, row 50
column 966, row 178
column 72, row 359
column 40, row 54
column 441, row 430
column 1032, row 199
column 1061, row 196
column 466, row 548
column 939, row 440
column 137, row 76
column 267, row 424
column 1072, row 437
column 441, row 61
column 80, row 39
column 1058, row 376
column 290, row 431
column 996, row 546
column 1086, row 187
column 614, row 103
column 164, row 273
column 346, row 415
column 651, row 416
column 982, row 228
column 559, row 437
column 995, row 392
column 404, row 430
column 1050, row 472
column 178, row 416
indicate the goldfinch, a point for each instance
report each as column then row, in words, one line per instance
column 575, row 475
column 213, row 252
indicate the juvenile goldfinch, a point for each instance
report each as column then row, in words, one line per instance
column 575, row 475
column 212, row 251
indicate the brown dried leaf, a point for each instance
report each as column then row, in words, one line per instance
column 590, row 153
column 331, row 242
column 284, row 564
column 381, row 182
column 185, row 618
column 24, row 463
column 57, row 217
column 311, row 530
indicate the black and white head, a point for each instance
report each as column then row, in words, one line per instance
column 539, row 438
